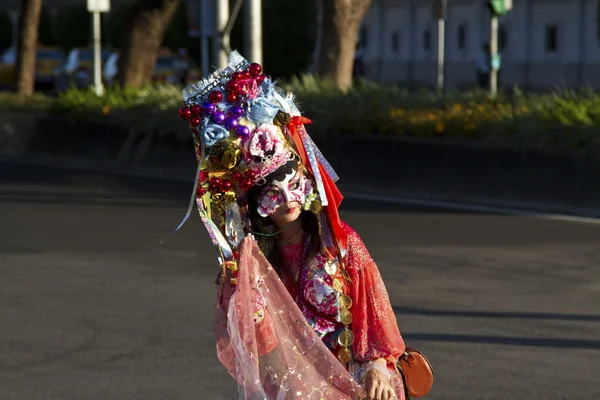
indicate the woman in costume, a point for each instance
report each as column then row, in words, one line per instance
column 302, row 311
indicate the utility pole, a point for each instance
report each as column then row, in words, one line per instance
column 219, row 54
column 439, row 13
column 253, row 41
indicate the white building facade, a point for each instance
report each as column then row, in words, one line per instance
column 544, row 43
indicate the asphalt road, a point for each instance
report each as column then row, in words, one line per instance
column 93, row 307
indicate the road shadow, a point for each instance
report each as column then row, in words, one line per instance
column 495, row 314
column 505, row 340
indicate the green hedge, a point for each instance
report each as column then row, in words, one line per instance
column 557, row 121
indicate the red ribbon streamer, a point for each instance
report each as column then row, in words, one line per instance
column 334, row 196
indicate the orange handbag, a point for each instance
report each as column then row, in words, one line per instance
column 417, row 373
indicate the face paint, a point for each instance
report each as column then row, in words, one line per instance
column 294, row 188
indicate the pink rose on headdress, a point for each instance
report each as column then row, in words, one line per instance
column 264, row 150
column 248, row 88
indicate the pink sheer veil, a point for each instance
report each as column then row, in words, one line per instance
column 265, row 342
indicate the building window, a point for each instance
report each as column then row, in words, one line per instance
column 427, row 39
column 363, row 39
column 396, row 42
column 551, row 42
column 462, row 37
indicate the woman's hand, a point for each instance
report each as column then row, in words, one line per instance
column 378, row 385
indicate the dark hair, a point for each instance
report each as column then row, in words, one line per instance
column 268, row 244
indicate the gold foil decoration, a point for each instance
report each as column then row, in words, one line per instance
column 223, row 199
column 344, row 301
column 344, row 355
column 231, row 157
column 337, row 285
column 225, row 155
column 345, row 317
column 331, row 267
column 346, row 338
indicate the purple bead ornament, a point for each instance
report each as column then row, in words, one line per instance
column 208, row 107
column 236, row 112
column 218, row 117
column 242, row 131
column 231, row 123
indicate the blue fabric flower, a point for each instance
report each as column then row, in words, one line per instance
column 262, row 111
column 267, row 87
column 213, row 133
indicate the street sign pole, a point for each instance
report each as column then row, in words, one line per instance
column 441, row 54
column 493, row 55
column 98, row 86
column 497, row 8
column 95, row 7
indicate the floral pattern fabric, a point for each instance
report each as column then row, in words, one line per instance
column 374, row 324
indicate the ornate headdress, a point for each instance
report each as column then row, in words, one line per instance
column 245, row 128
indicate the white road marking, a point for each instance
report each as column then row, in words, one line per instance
column 470, row 207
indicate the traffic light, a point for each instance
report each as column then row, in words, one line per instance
column 500, row 7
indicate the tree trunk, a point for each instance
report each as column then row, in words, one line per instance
column 341, row 22
column 144, row 32
column 26, row 46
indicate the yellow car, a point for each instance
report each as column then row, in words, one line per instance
column 48, row 61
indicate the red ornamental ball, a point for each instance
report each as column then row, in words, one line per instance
column 255, row 69
column 236, row 76
column 232, row 86
column 194, row 122
column 215, row 182
column 196, row 110
column 232, row 97
column 200, row 191
column 215, row 96
column 251, row 175
column 260, row 78
column 185, row 113
column 246, row 184
column 246, row 75
column 225, row 186
column 237, row 176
